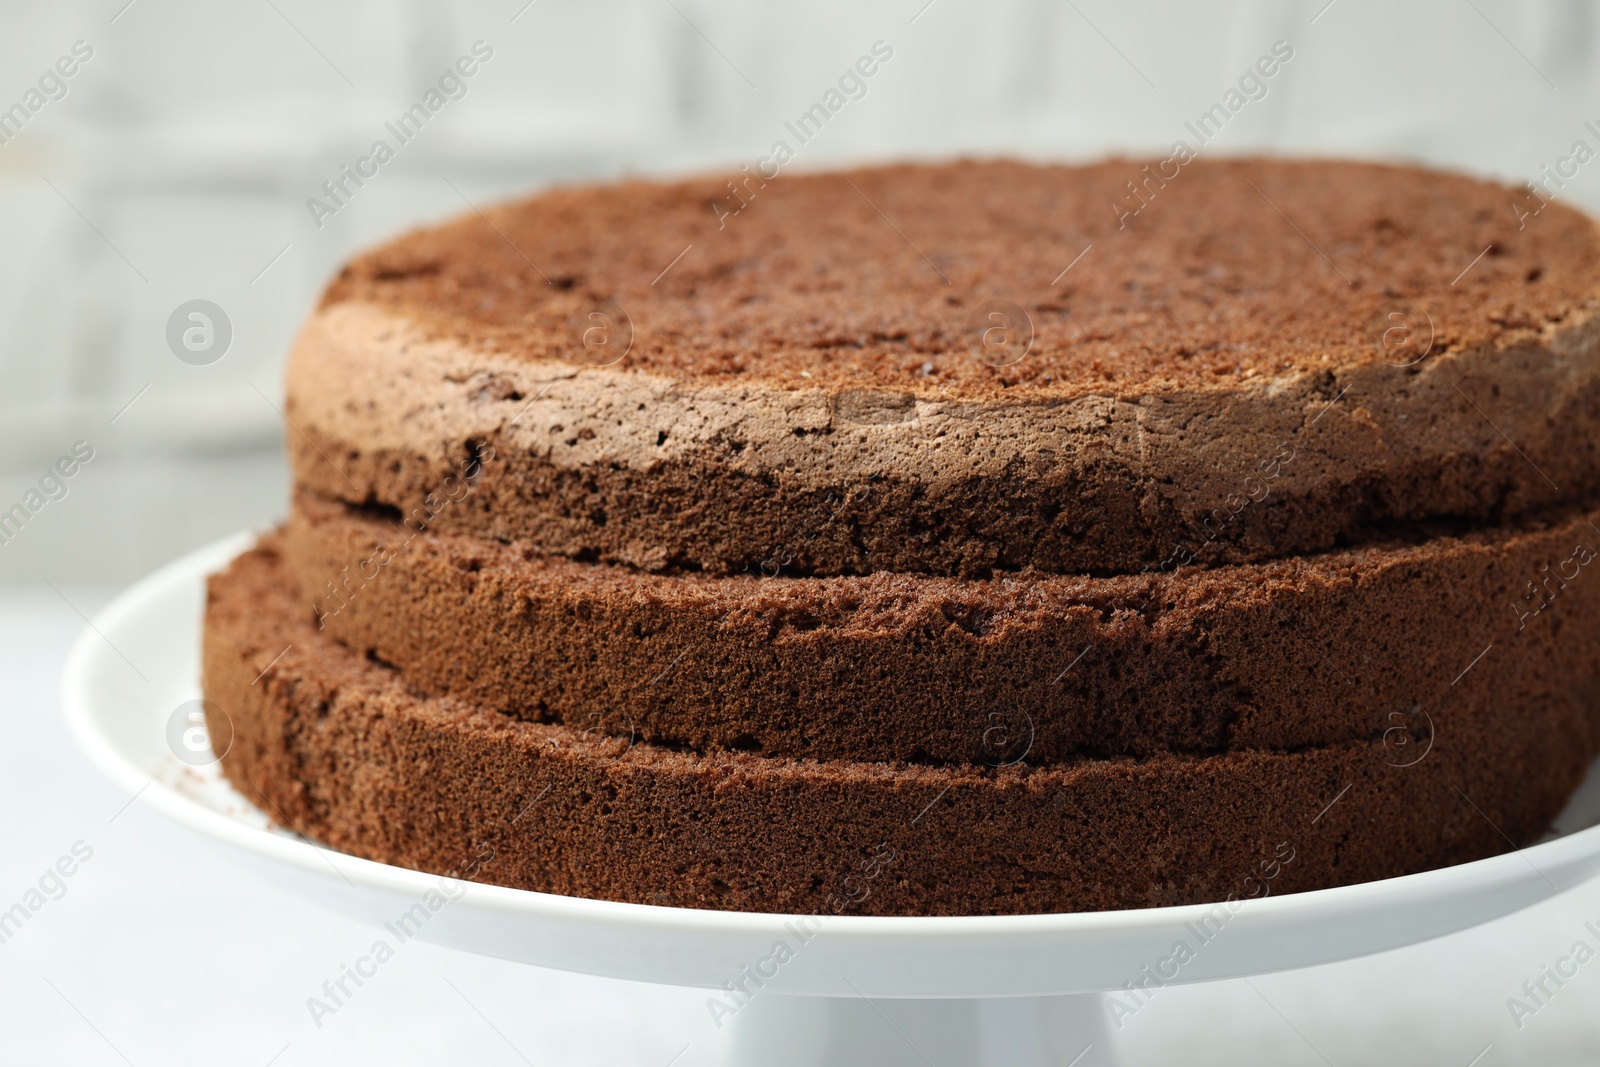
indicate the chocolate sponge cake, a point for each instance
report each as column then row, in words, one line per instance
column 1268, row 656
column 339, row 747
column 937, row 540
column 1269, row 358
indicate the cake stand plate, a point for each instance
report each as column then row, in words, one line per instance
column 1015, row 990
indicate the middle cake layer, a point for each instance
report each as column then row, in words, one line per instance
column 1349, row 645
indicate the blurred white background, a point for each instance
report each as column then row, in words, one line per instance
column 177, row 167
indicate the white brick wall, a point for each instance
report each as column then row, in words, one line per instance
column 193, row 137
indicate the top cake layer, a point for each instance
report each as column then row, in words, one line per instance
column 963, row 368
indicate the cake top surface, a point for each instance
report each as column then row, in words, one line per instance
column 980, row 278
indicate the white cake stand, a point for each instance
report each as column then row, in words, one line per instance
column 1016, row 990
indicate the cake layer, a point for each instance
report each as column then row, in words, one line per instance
column 340, row 748
column 1271, row 656
column 1252, row 359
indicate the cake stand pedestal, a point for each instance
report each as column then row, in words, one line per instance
column 1014, row 990
column 790, row 1031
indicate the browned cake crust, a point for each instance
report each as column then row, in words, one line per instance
column 337, row 747
column 1268, row 358
column 1265, row 656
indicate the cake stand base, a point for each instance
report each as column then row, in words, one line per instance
column 789, row 1031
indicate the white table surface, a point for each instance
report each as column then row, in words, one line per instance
column 161, row 952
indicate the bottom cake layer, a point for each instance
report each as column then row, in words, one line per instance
column 336, row 746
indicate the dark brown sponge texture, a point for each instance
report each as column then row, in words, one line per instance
column 1271, row 656
column 1252, row 310
column 338, row 747
column 811, row 285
